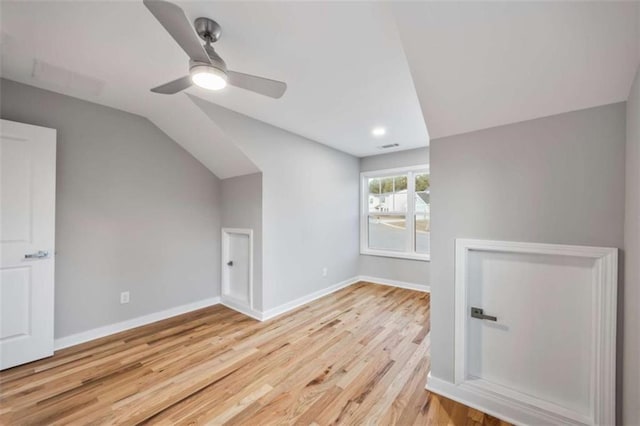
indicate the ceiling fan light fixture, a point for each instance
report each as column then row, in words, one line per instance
column 206, row 68
column 208, row 77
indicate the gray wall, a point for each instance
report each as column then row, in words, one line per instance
column 631, row 293
column 407, row 158
column 558, row 179
column 394, row 269
column 389, row 268
column 134, row 211
column 242, row 208
column 309, row 204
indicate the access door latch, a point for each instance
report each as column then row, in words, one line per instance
column 479, row 313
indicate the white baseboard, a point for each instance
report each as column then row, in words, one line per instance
column 394, row 283
column 96, row 333
column 496, row 405
column 241, row 307
column 286, row 307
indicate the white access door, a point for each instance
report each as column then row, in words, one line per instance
column 237, row 266
column 27, row 231
column 540, row 343
column 536, row 326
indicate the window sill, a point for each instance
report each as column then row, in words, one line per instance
column 407, row 256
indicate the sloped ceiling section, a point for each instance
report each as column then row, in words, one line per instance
column 187, row 124
column 108, row 61
column 482, row 64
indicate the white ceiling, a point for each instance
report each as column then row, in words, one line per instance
column 482, row 64
column 343, row 62
column 349, row 66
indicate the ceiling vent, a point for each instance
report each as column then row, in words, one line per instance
column 391, row 145
column 66, row 79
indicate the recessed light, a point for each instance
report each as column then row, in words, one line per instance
column 379, row 131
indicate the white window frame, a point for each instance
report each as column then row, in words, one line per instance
column 409, row 253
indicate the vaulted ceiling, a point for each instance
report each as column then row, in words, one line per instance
column 443, row 66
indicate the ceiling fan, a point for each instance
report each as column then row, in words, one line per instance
column 206, row 67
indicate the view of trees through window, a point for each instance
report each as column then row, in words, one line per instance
column 397, row 183
column 422, row 182
column 387, row 185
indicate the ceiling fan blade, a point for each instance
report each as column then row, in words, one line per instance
column 264, row 86
column 174, row 86
column 174, row 20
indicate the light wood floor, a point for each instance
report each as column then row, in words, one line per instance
column 357, row 356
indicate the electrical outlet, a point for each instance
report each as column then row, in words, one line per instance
column 124, row 297
column 324, row 271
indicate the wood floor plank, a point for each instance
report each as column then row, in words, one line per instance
column 357, row 356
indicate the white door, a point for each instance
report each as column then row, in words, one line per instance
column 237, row 266
column 27, row 231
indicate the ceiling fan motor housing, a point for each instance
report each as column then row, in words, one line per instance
column 207, row 29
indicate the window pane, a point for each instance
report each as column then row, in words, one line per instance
column 379, row 203
column 422, row 182
column 422, row 214
column 400, row 183
column 387, row 232
column 422, row 230
column 387, row 184
column 422, row 202
column 388, row 194
column 396, row 202
column 374, row 186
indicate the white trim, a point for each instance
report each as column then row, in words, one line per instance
column 107, row 330
column 494, row 404
column 286, row 307
column 395, row 254
column 240, row 305
column 394, row 171
column 393, row 283
column 603, row 329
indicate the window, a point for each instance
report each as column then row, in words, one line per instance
column 395, row 213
